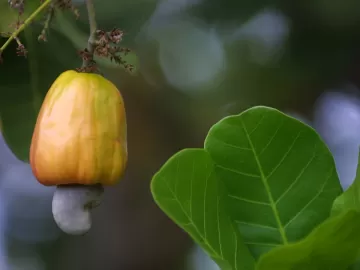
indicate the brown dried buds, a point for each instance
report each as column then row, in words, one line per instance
column 106, row 45
column 56, row 4
column 19, row 5
column 19, row 25
column 101, row 43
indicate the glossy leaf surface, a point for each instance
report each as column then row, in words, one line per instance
column 333, row 245
column 187, row 190
column 280, row 176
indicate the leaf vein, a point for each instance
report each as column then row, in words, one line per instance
column 297, row 178
column 255, row 225
column 232, row 145
column 313, row 199
column 284, row 156
column 248, row 200
column 258, row 124
column 236, row 248
column 238, row 172
column 272, row 138
column 262, row 244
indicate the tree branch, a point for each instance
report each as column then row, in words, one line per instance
column 87, row 61
column 25, row 24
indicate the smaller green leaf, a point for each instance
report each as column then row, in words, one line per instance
column 350, row 199
column 187, row 190
column 333, row 245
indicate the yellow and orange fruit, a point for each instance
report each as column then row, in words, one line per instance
column 80, row 136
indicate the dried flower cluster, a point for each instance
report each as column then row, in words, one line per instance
column 19, row 6
column 67, row 5
column 106, row 45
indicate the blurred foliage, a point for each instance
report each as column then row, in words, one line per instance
column 233, row 13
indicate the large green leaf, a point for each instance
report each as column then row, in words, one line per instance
column 187, row 190
column 350, row 199
column 280, row 176
column 333, row 245
column 20, row 99
column 18, row 121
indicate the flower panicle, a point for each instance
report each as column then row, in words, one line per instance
column 107, row 46
column 49, row 6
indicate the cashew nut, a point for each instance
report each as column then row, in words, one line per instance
column 72, row 204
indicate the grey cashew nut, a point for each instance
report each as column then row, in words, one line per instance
column 72, row 204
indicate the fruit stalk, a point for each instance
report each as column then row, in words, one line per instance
column 92, row 36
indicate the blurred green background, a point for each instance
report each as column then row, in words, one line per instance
column 196, row 62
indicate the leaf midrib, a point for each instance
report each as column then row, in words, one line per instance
column 267, row 188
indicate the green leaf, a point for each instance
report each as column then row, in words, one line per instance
column 333, row 245
column 280, row 176
column 350, row 199
column 187, row 190
column 20, row 101
column 18, row 121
